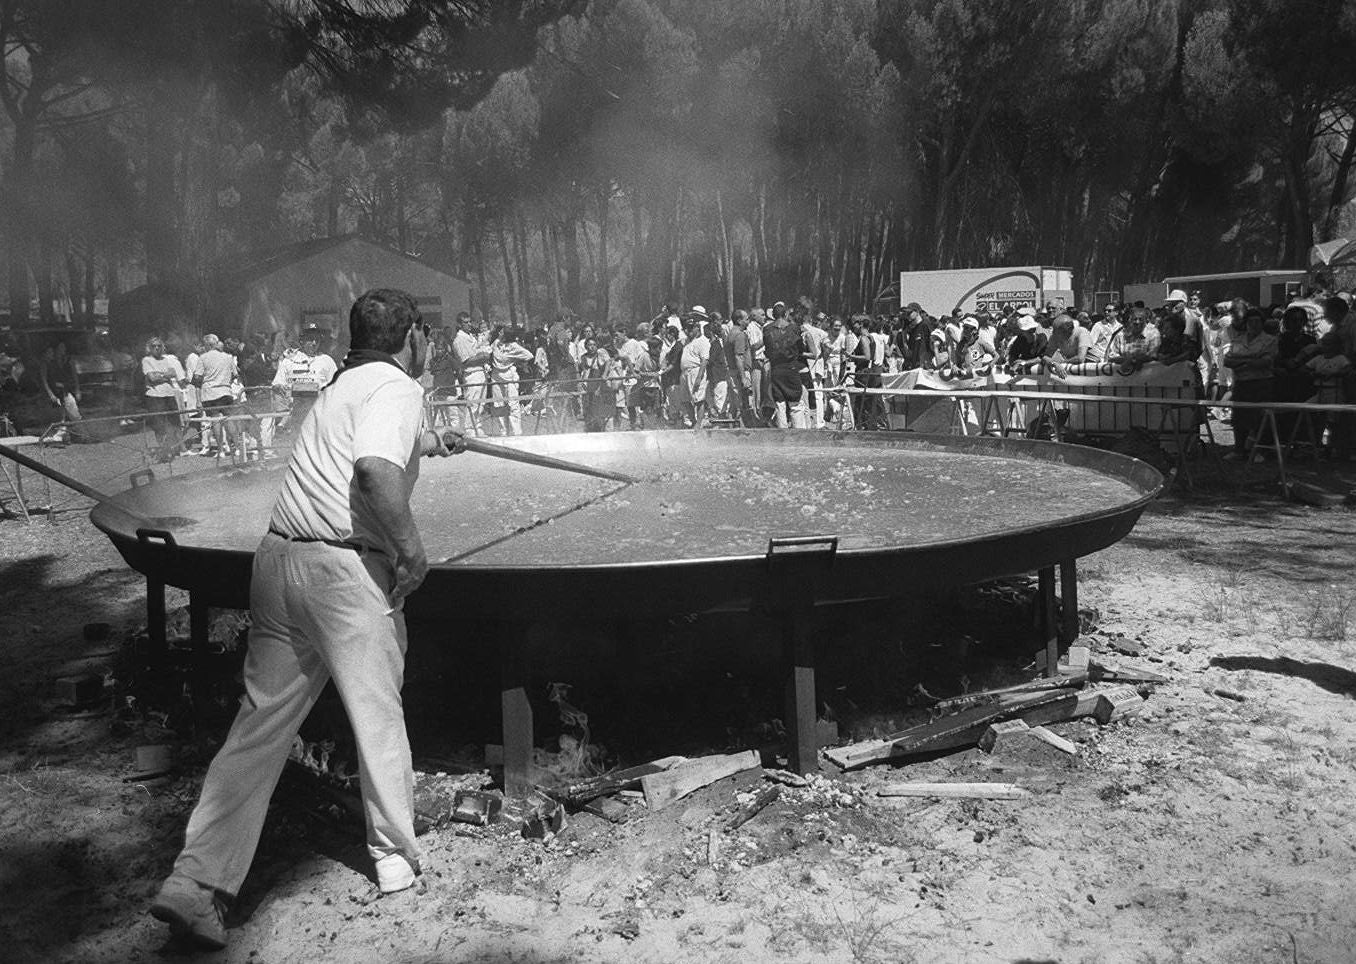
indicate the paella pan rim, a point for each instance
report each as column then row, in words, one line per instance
column 213, row 568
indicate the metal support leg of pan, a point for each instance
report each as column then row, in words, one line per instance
column 516, row 709
column 197, row 634
column 155, row 616
column 1045, row 609
column 1068, row 599
column 795, row 568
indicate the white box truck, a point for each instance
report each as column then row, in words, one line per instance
column 1262, row 288
column 986, row 289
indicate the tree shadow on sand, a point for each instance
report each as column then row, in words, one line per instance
column 1332, row 678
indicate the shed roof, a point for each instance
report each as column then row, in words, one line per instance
column 259, row 265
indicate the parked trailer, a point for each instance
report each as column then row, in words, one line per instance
column 971, row 290
column 1270, row 287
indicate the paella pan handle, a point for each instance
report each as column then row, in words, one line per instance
column 147, row 536
column 794, row 545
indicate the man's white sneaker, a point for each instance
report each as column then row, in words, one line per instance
column 394, row 873
column 193, row 912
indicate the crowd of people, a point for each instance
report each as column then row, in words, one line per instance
column 189, row 401
column 788, row 365
column 792, row 365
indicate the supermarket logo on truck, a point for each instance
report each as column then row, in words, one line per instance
column 985, row 289
column 999, row 301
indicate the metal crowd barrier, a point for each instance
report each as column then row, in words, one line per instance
column 997, row 419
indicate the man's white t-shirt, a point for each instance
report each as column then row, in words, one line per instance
column 755, row 335
column 815, row 337
column 166, row 365
column 192, row 370
column 218, row 370
column 371, row 411
column 298, row 370
column 464, row 347
column 696, row 354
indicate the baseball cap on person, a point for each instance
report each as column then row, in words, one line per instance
column 1026, row 311
column 969, row 321
column 697, row 311
column 1026, row 322
column 1176, row 294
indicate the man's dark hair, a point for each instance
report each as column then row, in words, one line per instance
column 381, row 318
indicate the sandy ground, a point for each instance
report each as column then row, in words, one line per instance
column 1205, row 829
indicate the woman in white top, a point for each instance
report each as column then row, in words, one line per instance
column 505, row 354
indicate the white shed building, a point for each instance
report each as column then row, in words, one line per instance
column 316, row 282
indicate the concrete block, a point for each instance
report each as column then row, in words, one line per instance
column 1114, row 704
column 80, row 690
column 1076, row 661
column 1000, row 734
column 1087, row 703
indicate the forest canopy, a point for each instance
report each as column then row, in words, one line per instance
column 611, row 156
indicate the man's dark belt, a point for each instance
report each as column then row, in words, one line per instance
column 337, row 543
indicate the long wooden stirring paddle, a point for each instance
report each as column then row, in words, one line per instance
column 543, row 461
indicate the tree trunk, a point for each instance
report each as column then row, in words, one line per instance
column 46, row 312
column 548, row 251
column 1299, row 235
column 727, row 255
column 520, row 255
column 161, row 196
column 20, row 224
column 1337, row 199
column 509, row 286
column 676, row 251
column 603, row 298
column 760, row 246
column 881, row 276
column 479, row 255
column 573, row 290
column 332, row 198
column 89, row 286
column 755, row 270
column 77, row 302
column 403, row 228
column 817, row 247
column 641, row 306
column 19, row 292
column 112, row 284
